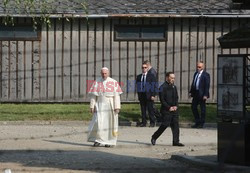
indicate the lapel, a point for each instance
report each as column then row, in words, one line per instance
column 147, row 77
column 139, row 77
column 195, row 74
column 202, row 76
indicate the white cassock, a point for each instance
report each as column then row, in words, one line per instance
column 104, row 98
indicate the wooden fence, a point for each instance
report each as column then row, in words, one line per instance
column 57, row 68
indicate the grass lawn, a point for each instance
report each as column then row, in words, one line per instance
column 75, row 112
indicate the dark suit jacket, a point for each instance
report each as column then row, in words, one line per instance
column 153, row 72
column 150, row 87
column 168, row 97
column 203, row 85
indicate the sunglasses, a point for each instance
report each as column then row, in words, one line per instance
column 144, row 67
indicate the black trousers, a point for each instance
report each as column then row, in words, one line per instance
column 172, row 120
column 147, row 105
column 199, row 118
column 157, row 114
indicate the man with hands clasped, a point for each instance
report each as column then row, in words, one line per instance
column 169, row 110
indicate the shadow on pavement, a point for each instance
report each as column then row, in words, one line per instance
column 87, row 160
column 148, row 144
column 66, row 142
column 120, row 143
column 210, row 163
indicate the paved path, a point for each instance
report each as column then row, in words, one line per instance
column 62, row 147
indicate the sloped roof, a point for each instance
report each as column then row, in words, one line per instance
column 133, row 8
column 238, row 38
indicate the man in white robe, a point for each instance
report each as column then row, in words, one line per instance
column 105, row 105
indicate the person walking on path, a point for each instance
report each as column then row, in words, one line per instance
column 200, row 93
column 169, row 110
column 105, row 105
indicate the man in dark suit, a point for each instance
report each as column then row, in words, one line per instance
column 146, row 90
column 169, row 110
column 200, row 93
column 152, row 71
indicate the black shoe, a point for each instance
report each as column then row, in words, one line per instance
column 195, row 126
column 107, row 146
column 178, row 144
column 140, row 125
column 153, row 141
column 152, row 125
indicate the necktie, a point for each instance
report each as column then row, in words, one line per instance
column 196, row 80
column 143, row 82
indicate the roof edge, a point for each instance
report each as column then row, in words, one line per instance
column 63, row 15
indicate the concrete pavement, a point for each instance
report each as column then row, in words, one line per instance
column 63, row 147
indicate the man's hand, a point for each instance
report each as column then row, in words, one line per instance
column 173, row 108
column 152, row 98
column 205, row 98
column 117, row 111
column 189, row 95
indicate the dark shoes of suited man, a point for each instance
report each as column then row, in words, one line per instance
column 197, row 126
column 152, row 125
column 178, row 144
column 140, row 124
column 153, row 141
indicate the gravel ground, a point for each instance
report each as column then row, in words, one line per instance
column 62, row 147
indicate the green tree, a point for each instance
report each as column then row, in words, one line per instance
column 39, row 10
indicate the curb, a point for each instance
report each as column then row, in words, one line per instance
column 121, row 123
column 44, row 123
column 182, row 125
column 209, row 164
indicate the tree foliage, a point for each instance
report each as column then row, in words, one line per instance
column 39, row 10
